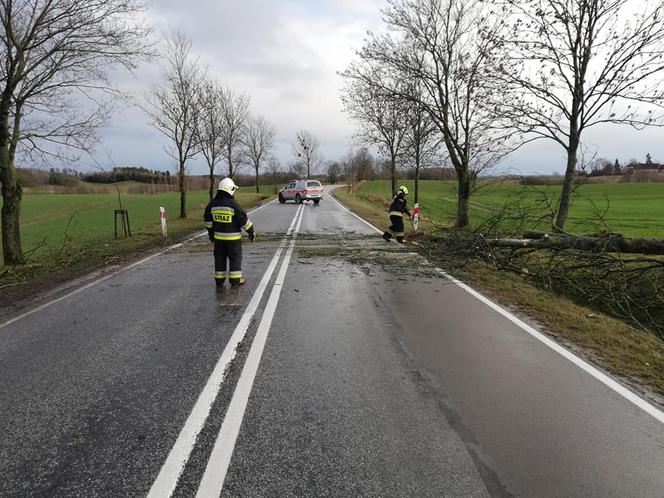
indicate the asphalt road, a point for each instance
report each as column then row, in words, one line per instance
column 354, row 376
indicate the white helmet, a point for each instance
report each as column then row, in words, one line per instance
column 228, row 186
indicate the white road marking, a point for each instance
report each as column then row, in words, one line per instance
column 217, row 466
column 110, row 275
column 582, row 364
column 349, row 211
column 166, row 482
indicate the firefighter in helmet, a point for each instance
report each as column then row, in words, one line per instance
column 225, row 220
column 397, row 209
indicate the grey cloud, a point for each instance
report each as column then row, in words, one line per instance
column 285, row 54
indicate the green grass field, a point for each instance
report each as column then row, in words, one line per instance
column 52, row 224
column 633, row 209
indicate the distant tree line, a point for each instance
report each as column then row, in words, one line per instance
column 360, row 165
column 130, row 174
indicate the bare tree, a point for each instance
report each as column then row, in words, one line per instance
column 578, row 64
column 174, row 106
column 258, row 141
column 307, row 151
column 334, row 172
column 448, row 47
column 380, row 115
column 55, row 58
column 422, row 139
column 297, row 168
column 274, row 168
column 236, row 113
column 211, row 127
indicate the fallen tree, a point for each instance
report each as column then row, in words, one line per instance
column 607, row 243
column 627, row 287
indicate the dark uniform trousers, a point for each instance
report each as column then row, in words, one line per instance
column 397, row 210
column 231, row 251
column 397, row 227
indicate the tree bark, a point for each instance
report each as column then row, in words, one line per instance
column 11, row 191
column 11, row 205
column 211, row 184
column 393, row 174
column 570, row 173
column 258, row 190
column 183, row 191
column 463, row 197
column 231, row 169
column 417, row 175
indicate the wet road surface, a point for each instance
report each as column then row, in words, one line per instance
column 336, row 371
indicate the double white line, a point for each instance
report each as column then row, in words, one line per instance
column 215, row 472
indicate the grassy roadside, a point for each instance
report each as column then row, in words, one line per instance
column 370, row 207
column 78, row 257
column 610, row 343
column 632, row 209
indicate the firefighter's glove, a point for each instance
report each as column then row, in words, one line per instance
column 211, row 236
column 252, row 235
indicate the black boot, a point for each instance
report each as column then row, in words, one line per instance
column 219, row 283
column 387, row 236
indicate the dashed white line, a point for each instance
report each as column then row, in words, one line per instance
column 220, row 458
column 169, row 475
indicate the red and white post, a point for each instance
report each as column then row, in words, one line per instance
column 416, row 216
column 162, row 215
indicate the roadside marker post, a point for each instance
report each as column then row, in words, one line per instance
column 162, row 216
column 416, row 217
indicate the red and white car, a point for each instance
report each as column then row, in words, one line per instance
column 302, row 190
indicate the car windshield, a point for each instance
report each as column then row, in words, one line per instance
column 314, row 184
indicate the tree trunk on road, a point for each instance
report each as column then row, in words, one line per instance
column 540, row 240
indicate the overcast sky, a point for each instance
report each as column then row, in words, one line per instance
column 285, row 55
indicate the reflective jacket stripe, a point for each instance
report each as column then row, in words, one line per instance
column 227, row 236
column 248, row 225
column 396, row 213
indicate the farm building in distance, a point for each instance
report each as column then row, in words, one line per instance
column 645, row 167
